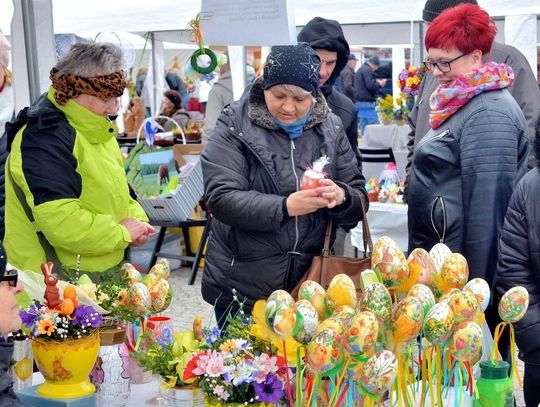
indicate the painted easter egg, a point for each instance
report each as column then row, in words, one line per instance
column 361, row 333
column 379, row 372
column 389, row 262
column 514, row 304
column 406, row 321
column 138, row 298
column 314, row 293
column 421, row 265
column 438, row 323
column 161, row 269
column 280, row 313
column 308, row 321
column 341, row 291
column 466, row 343
column 438, row 254
column 454, row 274
column 423, row 294
column 376, row 299
column 160, row 296
column 480, row 288
column 464, row 306
column 344, row 313
column 324, row 352
column 129, row 272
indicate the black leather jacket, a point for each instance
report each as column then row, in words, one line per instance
column 462, row 177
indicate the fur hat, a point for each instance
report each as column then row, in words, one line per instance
column 292, row 64
column 174, row 97
column 4, row 50
column 433, row 8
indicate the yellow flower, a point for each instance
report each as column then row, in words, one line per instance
column 260, row 330
column 46, row 327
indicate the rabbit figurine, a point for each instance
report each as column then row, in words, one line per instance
column 52, row 294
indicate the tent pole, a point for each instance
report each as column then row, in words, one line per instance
column 154, row 75
column 31, row 48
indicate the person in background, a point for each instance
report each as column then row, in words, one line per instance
column 465, row 168
column 265, row 230
column 519, row 264
column 220, row 96
column 327, row 39
column 368, row 88
column 175, row 82
column 172, row 107
column 523, row 89
column 67, row 198
column 347, row 77
column 10, row 321
column 7, row 106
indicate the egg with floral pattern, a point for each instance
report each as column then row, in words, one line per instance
column 379, row 372
column 308, row 321
column 466, row 343
column 420, row 264
column 361, row 333
column 280, row 313
column 454, row 274
column 138, row 298
column 314, row 293
column 376, row 299
column 514, row 304
column 423, row 294
column 389, row 262
column 341, row 291
column 480, row 288
column 438, row 323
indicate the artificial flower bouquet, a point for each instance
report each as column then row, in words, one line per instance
column 409, row 80
column 392, row 110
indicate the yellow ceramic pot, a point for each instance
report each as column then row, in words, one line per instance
column 212, row 402
column 65, row 365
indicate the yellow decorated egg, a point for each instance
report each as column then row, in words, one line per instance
column 138, row 298
column 454, row 274
column 438, row 323
column 421, row 265
column 514, row 304
column 129, row 272
column 324, row 351
column 344, row 313
column 334, row 324
column 361, row 333
column 379, row 372
column 161, row 269
column 423, row 294
column 341, row 291
column 466, row 343
column 447, row 295
column 314, row 293
column 464, row 306
column 480, row 288
column 280, row 313
column 406, row 321
column 389, row 262
column 308, row 321
column 160, row 296
column 438, row 254
column 376, row 299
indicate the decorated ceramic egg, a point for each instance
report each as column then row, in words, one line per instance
column 454, row 274
column 423, row 294
column 341, row 291
column 376, row 299
column 324, row 352
column 406, row 321
column 160, row 296
column 139, row 299
column 514, row 304
column 466, row 343
column 464, row 306
column 150, row 279
column 280, row 313
column 389, row 262
column 438, row 323
column 161, row 270
column 480, row 288
column 361, row 333
column 438, row 254
column 447, row 295
column 421, row 265
column 344, row 313
column 379, row 372
column 308, row 320
column 129, row 271
column 333, row 324
column 314, row 293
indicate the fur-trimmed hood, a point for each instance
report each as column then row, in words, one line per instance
column 259, row 114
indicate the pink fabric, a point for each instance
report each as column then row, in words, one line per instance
column 444, row 102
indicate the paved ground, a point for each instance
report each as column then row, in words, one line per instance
column 187, row 301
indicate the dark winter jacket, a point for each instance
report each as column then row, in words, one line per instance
column 250, row 167
column 366, row 86
column 519, row 259
column 462, row 177
column 7, row 396
column 347, row 82
column 321, row 33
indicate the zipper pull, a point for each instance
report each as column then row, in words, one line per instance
column 292, row 144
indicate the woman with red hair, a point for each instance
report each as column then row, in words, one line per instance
column 465, row 168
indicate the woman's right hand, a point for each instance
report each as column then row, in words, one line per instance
column 304, row 202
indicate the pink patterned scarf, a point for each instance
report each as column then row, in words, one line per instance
column 444, row 102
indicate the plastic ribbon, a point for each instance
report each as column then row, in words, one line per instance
column 439, row 374
column 195, row 26
column 289, row 389
column 299, row 374
column 340, row 383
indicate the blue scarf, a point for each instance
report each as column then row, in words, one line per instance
column 295, row 130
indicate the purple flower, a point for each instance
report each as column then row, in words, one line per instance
column 213, row 336
column 86, row 316
column 269, row 391
column 30, row 315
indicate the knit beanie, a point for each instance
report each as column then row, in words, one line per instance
column 292, row 64
column 433, row 8
column 4, row 50
column 174, row 97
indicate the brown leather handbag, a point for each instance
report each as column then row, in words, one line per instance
column 325, row 266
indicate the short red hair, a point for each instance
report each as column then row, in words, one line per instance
column 466, row 27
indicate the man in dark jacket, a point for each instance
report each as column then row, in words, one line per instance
column 519, row 264
column 367, row 87
column 347, row 77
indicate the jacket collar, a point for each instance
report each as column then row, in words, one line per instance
column 259, row 114
column 95, row 128
column 6, row 350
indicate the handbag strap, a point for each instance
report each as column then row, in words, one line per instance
column 366, row 236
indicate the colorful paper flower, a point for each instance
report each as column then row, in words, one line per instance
column 270, row 391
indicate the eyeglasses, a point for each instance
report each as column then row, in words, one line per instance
column 11, row 276
column 444, row 67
